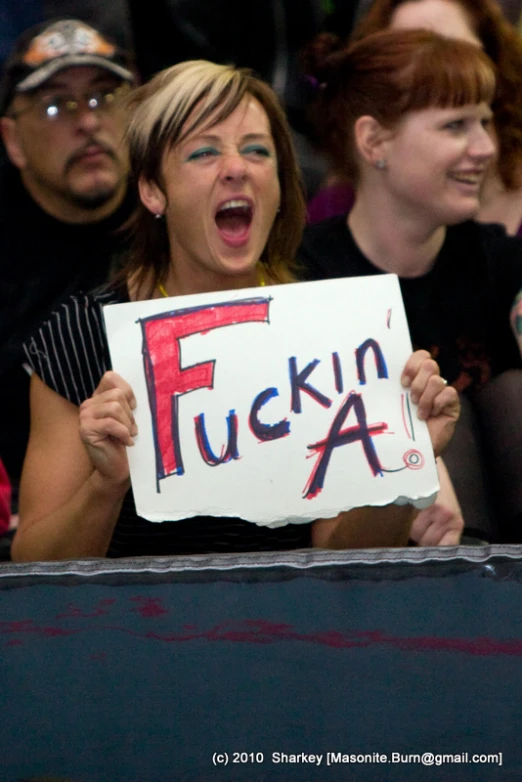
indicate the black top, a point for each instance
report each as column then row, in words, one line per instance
column 458, row 311
column 70, row 353
column 42, row 261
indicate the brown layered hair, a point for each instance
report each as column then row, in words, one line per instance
column 196, row 95
column 502, row 44
column 389, row 74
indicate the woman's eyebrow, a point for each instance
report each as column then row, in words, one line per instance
column 254, row 136
column 247, row 137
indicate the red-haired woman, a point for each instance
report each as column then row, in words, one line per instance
column 406, row 114
column 481, row 22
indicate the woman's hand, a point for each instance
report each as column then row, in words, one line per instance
column 437, row 403
column 107, row 427
column 437, row 525
column 442, row 523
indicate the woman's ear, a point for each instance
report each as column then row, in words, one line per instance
column 370, row 140
column 151, row 196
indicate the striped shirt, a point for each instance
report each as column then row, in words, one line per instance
column 70, row 353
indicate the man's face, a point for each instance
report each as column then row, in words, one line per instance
column 74, row 164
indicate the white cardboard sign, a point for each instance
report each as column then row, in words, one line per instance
column 276, row 404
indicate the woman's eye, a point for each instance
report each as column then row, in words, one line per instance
column 256, row 149
column 456, row 124
column 203, row 152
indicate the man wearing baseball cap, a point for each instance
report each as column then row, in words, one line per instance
column 63, row 190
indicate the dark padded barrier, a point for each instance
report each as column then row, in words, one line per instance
column 141, row 670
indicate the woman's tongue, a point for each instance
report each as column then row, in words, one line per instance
column 233, row 225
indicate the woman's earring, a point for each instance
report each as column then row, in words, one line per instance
column 158, row 216
column 380, row 164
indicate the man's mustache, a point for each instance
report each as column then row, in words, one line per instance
column 79, row 154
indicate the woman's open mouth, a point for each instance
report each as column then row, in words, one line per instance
column 233, row 219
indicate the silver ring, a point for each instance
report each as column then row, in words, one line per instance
column 444, row 381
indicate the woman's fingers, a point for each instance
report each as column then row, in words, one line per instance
column 423, row 380
column 108, row 413
column 110, row 405
column 107, row 426
column 95, row 430
column 413, row 366
column 437, row 403
column 431, row 396
column 111, row 380
column 428, row 390
column 446, row 402
column 437, row 526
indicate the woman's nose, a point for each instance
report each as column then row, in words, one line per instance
column 483, row 145
column 234, row 167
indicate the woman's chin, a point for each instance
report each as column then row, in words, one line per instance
column 239, row 273
column 466, row 212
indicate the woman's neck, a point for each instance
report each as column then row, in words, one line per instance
column 393, row 242
column 178, row 284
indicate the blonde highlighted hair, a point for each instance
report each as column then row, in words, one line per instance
column 194, row 96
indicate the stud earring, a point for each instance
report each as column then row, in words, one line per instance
column 380, row 164
column 158, row 216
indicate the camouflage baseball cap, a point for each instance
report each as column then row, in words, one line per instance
column 50, row 47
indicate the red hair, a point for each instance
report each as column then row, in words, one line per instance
column 501, row 43
column 390, row 73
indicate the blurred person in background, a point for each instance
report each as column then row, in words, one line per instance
column 481, row 22
column 406, row 116
column 63, row 190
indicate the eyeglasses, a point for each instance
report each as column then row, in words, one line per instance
column 60, row 108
